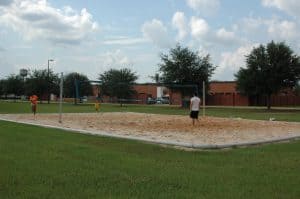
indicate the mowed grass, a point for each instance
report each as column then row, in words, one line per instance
column 44, row 163
column 288, row 114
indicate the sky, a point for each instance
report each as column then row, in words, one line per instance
column 93, row 36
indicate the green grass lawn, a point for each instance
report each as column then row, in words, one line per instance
column 249, row 113
column 44, row 163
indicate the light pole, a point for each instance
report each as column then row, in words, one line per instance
column 23, row 73
column 48, row 78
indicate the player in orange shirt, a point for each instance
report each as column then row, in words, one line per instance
column 97, row 104
column 33, row 100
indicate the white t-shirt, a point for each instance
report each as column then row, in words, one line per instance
column 195, row 102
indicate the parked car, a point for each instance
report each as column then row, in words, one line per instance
column 162, row 100
column 83, row 99
column 151, row 101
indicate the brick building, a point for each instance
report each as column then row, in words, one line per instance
column 221, row 93
column 225, row 94
column 143, row 91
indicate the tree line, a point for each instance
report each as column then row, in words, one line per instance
column 40, row 83
column 269, row 68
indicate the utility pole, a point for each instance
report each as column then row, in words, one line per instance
column 48, row 81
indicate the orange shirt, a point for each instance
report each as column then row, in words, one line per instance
column 33, row 99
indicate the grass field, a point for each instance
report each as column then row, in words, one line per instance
column 39, row 163
column 288, row 114
column 45, row 163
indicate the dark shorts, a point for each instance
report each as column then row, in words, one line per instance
column 33, row 107
column 194, row 114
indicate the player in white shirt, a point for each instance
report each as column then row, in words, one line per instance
column 194, row 107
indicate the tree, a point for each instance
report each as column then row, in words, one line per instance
column 85, row 88
column 38, row 83
column 156, row 78
column 183, row 66
column 297, row 89
column 3, row 87
column 118, row 83
column 14, row 84
column 269, row 69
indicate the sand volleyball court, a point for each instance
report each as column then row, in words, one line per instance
column 169, row 128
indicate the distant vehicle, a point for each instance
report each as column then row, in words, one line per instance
column 162, row 100
column 151, row 101
column 83, row 99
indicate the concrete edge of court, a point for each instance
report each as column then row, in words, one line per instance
column 169, row 143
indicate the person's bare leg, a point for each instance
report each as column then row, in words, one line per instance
column 34, row 112
column 32, row 109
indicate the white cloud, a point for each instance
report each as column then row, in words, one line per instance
column 283, row 30
column 36, row 19
column 199, row 28
column 179, row 22
column 115, row 59
column 291, row 7
column 124, row 41
column 156, row 32
column 6, row 67
column 227, row 37
column 230, row 62
column 205, row 7
column 270, row 29
column 92, row 65
column 250, row 24
column 202, row 34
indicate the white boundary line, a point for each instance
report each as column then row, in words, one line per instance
column 179, row 144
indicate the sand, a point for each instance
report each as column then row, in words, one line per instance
column 173, row 128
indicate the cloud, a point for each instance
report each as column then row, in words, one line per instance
column 92, row 65
column 7, row 68
column 124, row 41
column 36, row 19
column 250, row 24
column 270, row 29
column 115, row 59
column 230, row 62
column 179, row 22
column 156, row 32
column 291, row 7
column 208, row 37
column 227, row 37
column 106, row 60
column 199, row 28
column 283, row 30
column 205, row 7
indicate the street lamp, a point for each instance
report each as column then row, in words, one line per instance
column 23, row 73
column 49, row 60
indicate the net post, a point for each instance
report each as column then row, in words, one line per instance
column 203, row 97
column 61, row 97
